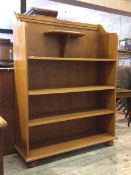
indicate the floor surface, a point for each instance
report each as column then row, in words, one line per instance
column 98, row 160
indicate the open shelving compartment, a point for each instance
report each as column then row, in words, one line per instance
column 70, row 74
column 66, row 86
column 68, row 124
column 59, row 140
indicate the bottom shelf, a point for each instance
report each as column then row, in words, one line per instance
column 59, row 148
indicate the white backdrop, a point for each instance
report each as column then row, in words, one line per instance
column 111, row 22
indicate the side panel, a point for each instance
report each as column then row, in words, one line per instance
column 109, row 42
column 21, row 82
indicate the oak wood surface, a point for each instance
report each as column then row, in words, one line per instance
column 69, row 146
column 69, row 90
column 69, row 59
column 74, row 77
column 58, row 75
column 21, row 69
column 43, row 19
column 64, row 32
column 65, row 117
column 59, row 104
column 48, row 151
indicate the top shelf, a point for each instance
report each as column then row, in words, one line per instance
column 65, row 32
column 69, row 59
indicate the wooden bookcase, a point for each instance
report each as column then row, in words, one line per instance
column 65, row 76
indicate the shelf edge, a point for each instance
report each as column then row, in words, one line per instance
column 109, row 138
column 68, row 117
column 70, row 59
column 69, row 90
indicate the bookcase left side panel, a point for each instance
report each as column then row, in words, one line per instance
column 21, row 85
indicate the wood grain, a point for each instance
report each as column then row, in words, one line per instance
column 57, row 104
column 40, row 153
column 21, row 83
column 58, row 75
column 64, row 32
column 44, row 20
column 66, row 117
column 69, row 90
column 70, row 59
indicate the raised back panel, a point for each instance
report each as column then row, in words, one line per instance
column 52, row 45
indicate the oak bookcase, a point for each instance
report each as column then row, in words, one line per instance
column 65, row 76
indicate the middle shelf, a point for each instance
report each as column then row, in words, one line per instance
column 69, row 90
column 67, row 117
column 70, row 59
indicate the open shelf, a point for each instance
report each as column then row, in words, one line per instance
column 47, row 151
column 70, row 105
column 69, row 59
column 65, row 32
column 54, row 74
column 66, row 117
column 66, row 86
column 69, row 90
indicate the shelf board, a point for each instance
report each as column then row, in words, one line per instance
column 123, row 90
column 69, row 90
column 123, row 93
column 65, row 32
column 124, row 51
column 69, row 59
column 67, row 117
column 71, row 145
